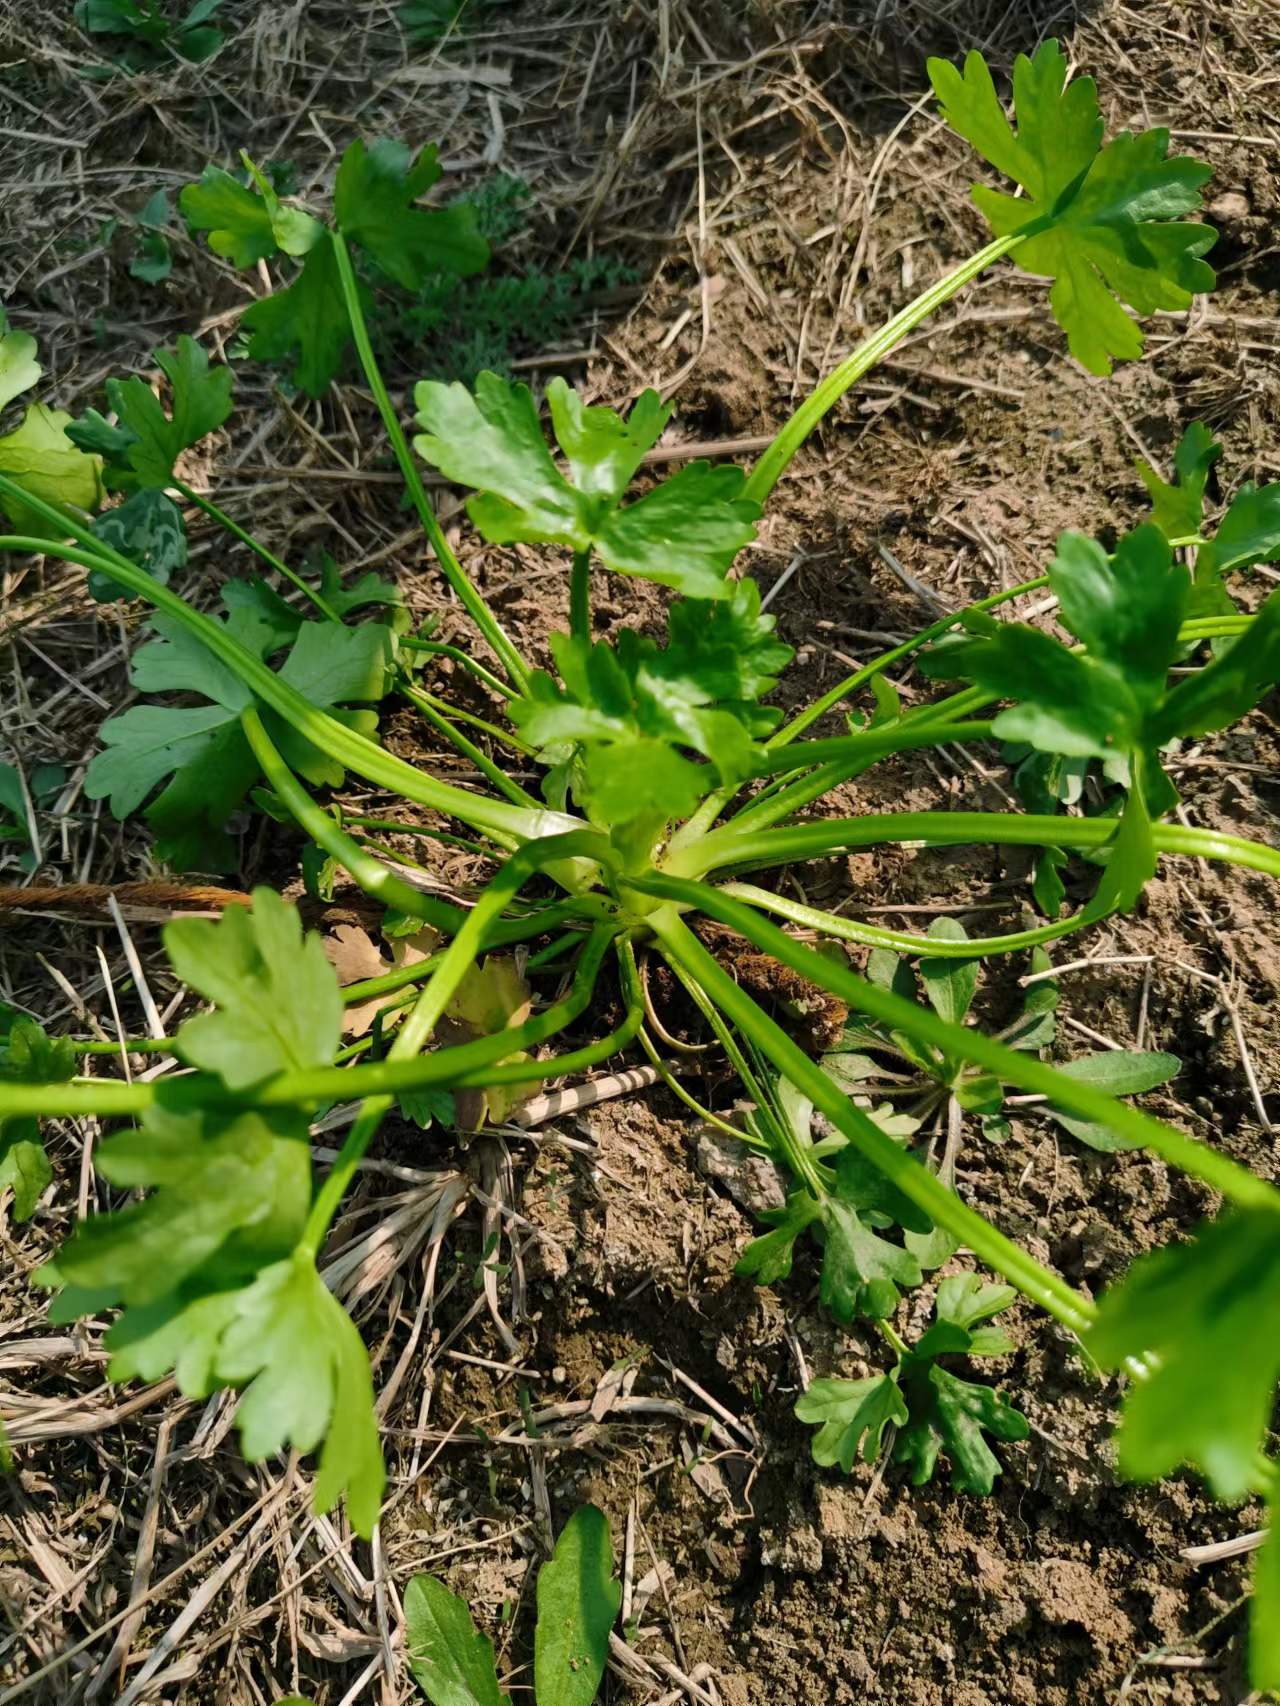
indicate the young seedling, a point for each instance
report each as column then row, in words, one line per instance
column 929, row 1407
column 19, row 802
column 578, row 1601
column 668, row 780
column 147, row 35
column 928, row 1086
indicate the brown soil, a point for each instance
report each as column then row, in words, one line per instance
column 763, row 165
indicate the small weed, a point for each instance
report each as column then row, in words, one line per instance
column 147, row 36
column 457, row 328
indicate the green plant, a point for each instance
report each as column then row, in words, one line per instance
column 151, row 258
column 18, row 806
column 928, row 1085
column 668, row 780
column 458, row 328
column 148, row 36
column 930, row 1407
column 426, row 22
column 578, row 1602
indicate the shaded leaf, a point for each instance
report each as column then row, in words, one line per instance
column 305, row 323
column 373, row 205
column 200, row 400
column 147, row 528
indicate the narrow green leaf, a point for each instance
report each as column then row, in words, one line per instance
column 578, row 1602
column 451, row 1661
column 949, row 984
column 1122, row 1072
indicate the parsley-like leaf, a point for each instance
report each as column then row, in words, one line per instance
column 862, row 1272
column 851, row 1417
column 243, row 225
column 309, row 1381
column 685, row 533
column 28, row 1056
column 208, row 1266
column 202, row 748
column 630, row 709
column 1177, row 509
column 1111, row 699
column 149, row 440
column 1209, row 1305
column 373, row 205
column 1102, row 222
column 768, row 1259
column 231, row 1183
column 1224, row 690
column 307, row 317
column 947, row 1413
column 277, row 1006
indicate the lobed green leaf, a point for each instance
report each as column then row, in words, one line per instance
column 1211, row 1304
column 1102, row 222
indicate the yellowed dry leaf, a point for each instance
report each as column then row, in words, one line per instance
column 354, row 955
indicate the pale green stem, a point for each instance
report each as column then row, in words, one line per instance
column 898, row 941
column 1013, row 1066
column 451, row 568
column 765, row 475
column 260, row 551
